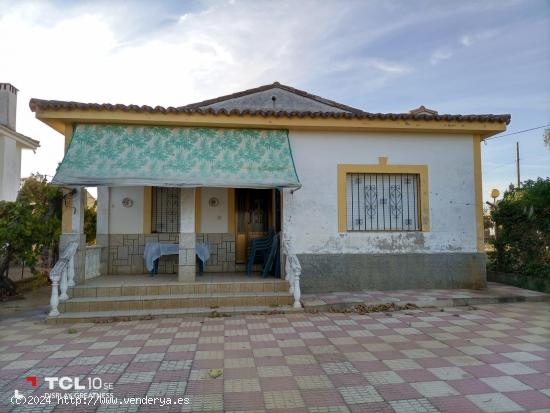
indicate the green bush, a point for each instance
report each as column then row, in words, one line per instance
column 522, row 220
column 32, row 222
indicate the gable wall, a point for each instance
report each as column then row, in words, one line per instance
column 284, row 101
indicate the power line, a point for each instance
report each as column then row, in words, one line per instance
column 515, row 133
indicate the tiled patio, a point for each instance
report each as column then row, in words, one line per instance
column 494, row 293
column 495, row 358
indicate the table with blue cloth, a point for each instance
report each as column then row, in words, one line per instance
column 154, row 250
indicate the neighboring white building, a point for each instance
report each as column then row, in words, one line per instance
column 11, row 144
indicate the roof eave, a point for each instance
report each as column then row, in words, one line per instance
column 59, row 118
column 23, row 140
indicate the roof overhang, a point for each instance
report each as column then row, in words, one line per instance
column 60, row 119
column 24, row 141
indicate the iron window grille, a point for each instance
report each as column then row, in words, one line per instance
column 165, row 209
column 383, row 202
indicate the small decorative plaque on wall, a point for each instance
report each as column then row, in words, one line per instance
column 127, row 203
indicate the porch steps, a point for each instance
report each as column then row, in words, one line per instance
column 112, row 316
column 155, row 302
column 122, row 301
column 166, row 288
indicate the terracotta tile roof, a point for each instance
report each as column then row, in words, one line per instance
column 277, row 85
column 199, row 108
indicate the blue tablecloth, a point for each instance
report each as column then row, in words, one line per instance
column 154, row 250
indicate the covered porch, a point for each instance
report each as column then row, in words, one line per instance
column 182, row 186
column 225, row 221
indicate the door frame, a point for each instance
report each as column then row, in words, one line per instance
column 233, row 219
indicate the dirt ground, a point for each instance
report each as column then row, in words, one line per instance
column 36, row 300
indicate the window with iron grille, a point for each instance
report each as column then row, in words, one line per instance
column 383, row 202
column 165, row 209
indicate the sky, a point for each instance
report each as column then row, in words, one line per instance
column 381, row 56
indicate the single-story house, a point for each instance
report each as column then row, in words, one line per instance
column 362, row 200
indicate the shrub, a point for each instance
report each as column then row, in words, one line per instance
column 522, row 220
column 32, row 222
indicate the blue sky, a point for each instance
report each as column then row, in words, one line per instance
column 382, row 56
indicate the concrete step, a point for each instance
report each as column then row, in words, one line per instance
column 109, row 316
column 171, row 301
column 257, row 286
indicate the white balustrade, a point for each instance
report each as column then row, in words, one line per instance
column 62, row 277
column 293, row 270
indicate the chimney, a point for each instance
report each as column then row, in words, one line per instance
column 8, row 105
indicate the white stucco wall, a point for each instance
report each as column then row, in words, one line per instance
column 311, row 214
column 214, row 219
column 124, row 220
column 10, row 168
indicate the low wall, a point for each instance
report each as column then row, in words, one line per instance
column 355, row 272
column 93, row 262
column 126, row 253
column 222, row 252
column 522, row 281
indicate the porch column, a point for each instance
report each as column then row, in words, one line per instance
column 102, row 227
column 186, row 270
column 78, row 206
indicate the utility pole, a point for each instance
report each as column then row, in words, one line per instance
column 517, row 162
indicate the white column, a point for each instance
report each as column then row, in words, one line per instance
column 77, row 229
column 186, row 270
column 102, row 210
column 102, row 228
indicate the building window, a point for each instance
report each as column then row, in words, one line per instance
column 165, row 209
column 383, row 202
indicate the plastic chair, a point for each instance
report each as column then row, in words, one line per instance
column 259, row 248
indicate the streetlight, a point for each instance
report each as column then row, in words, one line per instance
column 495, row 193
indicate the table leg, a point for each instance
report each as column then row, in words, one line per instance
column 155, row 268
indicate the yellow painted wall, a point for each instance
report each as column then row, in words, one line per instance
column 478, row 185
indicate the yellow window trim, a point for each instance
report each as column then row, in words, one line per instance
column 383, row 167
column 147, row 208
column 231, row 227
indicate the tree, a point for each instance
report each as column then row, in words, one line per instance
column 90, row 220
column 522, row 219
column 29, row 224
column 46, row 203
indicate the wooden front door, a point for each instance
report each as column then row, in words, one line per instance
column 254, row 212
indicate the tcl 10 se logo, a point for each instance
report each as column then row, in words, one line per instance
column 73, row 383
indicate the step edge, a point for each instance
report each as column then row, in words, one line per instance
column 149, row 297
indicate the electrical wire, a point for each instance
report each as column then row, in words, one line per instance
column 518, row 132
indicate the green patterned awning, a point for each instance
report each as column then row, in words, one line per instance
column 121, row 155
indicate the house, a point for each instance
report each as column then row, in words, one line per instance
column 363, row 200
column 11, row 144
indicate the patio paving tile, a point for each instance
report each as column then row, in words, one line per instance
column 459, row 360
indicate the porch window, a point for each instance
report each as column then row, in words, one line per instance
column 165, row 209
column 383, row 202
